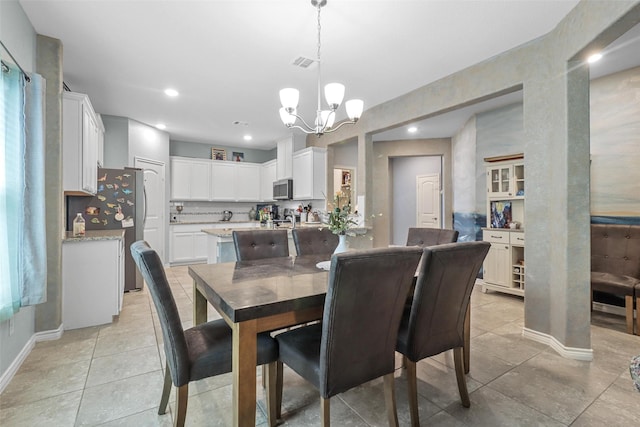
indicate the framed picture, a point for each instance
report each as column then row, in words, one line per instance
column 238, row 157
column 218, row 154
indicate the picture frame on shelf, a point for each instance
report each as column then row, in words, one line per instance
column 237, row 156
column 218, row 154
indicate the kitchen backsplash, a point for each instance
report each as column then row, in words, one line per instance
column 213, row 211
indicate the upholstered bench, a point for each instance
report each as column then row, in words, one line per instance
column 615, row 264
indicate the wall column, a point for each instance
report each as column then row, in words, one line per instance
column 49, row 65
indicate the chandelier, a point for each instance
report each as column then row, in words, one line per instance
column 333, row 92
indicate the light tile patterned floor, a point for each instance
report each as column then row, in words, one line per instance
column 112, row 376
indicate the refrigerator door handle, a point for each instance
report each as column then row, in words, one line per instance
column 144, row 220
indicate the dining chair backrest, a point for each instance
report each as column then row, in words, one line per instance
column 259, row 244
column 314, row 241
column 445, row 281
column 175, row 345
column 363, row 307
column 422, row 236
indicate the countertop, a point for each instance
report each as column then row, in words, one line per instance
column 92, row 235
column 513, row 230
column 211, row 222
column 226, row 232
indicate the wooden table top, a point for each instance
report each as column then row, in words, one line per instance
column 246, row 290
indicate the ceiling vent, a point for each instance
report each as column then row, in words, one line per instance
column 302, row 62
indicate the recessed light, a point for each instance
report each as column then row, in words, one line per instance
column 171, row 92
column 161, row 126
column 248, row 137
column 594, row 58
column 412, row 129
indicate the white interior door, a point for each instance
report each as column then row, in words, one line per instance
column 428, row 201
column 154, row 203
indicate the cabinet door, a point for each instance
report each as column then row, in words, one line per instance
column 199, row 246
column 303, row 175
column 247, row 182
column 89, row 150
column 497, row 265
column 499, row 181
column 223, row 176
column 180, row 180
column 190, row 179
column 284, row 158
column 181, row 247
column 267, row 176
column 200, row 180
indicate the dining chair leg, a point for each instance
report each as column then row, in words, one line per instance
column 412, row 383
column 628, row 303
column 390, row 400
column 166, row 390
column 271, row 393
column 467, row 339
column 279, row 385
column 638, row 315
column 182, row 393
column 325, row 412
column 462, row 381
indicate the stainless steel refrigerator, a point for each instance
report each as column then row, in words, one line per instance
column 118, row 204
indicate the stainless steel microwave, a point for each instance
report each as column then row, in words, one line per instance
column 283, row 189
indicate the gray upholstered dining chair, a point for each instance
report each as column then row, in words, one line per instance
column 199, row 352
column 258, row 244
column 436, row 320
column 314, row 241
column 356, row 340
column 422, row 236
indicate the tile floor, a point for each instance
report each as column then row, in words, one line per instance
column 112, row 376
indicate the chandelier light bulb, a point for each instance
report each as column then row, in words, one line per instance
column 354, row 109
column 289, row 98
column 287, row 118
column 334, row 94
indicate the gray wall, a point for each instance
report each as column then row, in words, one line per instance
column 19, row 36
column 203, row 151
column 116, row 141
column 404, row 171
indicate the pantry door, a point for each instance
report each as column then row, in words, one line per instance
column 428, row 201
column 154, row 202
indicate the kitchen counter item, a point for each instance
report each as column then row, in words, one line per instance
column 226, row 215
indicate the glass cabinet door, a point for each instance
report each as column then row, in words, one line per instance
column 505, row 179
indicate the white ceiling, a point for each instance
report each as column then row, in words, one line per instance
column 229, row 59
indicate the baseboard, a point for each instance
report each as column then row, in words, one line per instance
column 575, row 353
column 8, row 375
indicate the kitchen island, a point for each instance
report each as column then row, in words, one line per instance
column 220, row 241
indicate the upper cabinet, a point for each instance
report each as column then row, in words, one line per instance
column 190, row 179
column 82, row 137
column 267, row 177
column 309, row 173
column 285, row 149
column 214, row 180
column 506, row 180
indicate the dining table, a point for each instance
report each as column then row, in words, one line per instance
column 253, row 297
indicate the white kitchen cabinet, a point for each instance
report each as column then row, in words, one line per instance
column 223, row 175
column 92, row 281
column 267, row 177
column 309, row 173
column 286, row 147
column 505, row 180
column 504, row 267
column 497, row 263
column 188, row 244
column 190, row 179
column 100, row 136
column 81, row 137
column 247, row 182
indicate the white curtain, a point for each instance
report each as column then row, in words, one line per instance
column 22, row 212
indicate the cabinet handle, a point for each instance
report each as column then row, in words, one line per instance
column 496, row 237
